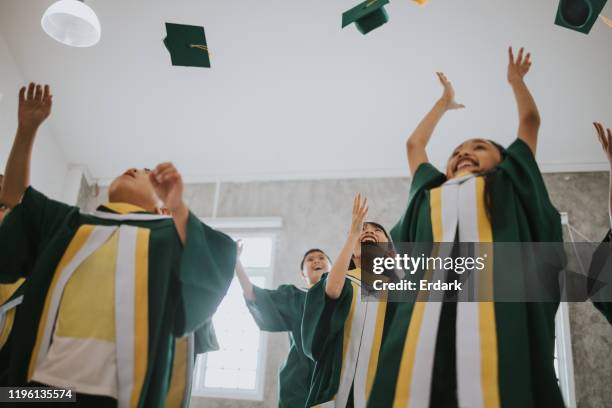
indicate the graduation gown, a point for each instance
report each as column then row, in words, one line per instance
column 162, row 289
column 8, row 314
column 281, row 310
column 486, row 354
column 186, row 350
column 343, row 336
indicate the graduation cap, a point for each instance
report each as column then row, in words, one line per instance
column 187, row 45
column 579, row 15
column 367, row 16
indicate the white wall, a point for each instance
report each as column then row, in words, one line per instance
column 49, row 164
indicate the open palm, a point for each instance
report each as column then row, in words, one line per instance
column 518, row 67
column 34, row 104
column 449, row 93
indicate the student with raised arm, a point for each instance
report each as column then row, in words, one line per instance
column 486, row 353
column 280, row 310
column 342, row 327
column 106, row 293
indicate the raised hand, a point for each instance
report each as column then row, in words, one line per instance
column 360, row 211
column 34, row 105
column 168, row 185
column 605, row 138
column 519, row 66
column 448, row 96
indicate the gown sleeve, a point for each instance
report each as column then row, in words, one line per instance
column 275, row 310
column 205, row 338
column 25, row 232
column 324, row 318
column 206, row 271
column 601, row 271
column 425, row 177
column 520, row 166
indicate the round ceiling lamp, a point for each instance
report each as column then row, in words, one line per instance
column 72, row 23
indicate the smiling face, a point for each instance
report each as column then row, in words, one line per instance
column 134, row 187
column 315, row 264
column 473, row 156
column 370, row 233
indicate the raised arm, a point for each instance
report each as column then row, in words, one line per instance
column 418, row 140
column 529, row 117
column 605, row 138
column 243, row 279
column 337, row 275
column 34, row 108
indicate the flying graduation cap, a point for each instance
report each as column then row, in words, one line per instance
column 579, row 15
column 187, row 45
column 367, row 16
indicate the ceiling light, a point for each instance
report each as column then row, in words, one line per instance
column 72, row 23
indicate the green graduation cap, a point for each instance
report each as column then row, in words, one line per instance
column 187, row 45
column 367, row 16
column 579, row 15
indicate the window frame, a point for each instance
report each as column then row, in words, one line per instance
column 267, row 227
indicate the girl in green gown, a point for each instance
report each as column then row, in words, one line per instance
column 342, row 327
column 475, row 354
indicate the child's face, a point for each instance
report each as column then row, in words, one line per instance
column 315, row 265
column 369, row 233
column 134, row 187
column 473, row 156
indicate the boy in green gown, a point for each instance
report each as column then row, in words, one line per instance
column 480, row 354
column 280, row 310
column 107, row 293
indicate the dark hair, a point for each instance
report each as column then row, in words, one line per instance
column 310, row 251
column 377, row 225
column 489, row 178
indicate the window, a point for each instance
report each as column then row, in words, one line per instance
column 237, row 370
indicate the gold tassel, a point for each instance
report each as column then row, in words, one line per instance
column 200, row 46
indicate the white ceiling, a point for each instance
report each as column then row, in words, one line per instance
column 291, row 95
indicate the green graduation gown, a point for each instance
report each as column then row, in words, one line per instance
column 281, row 310
column 343, row 336
column 186, row 350
column 508, row 361
column 164, row 290
column 8, row 314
